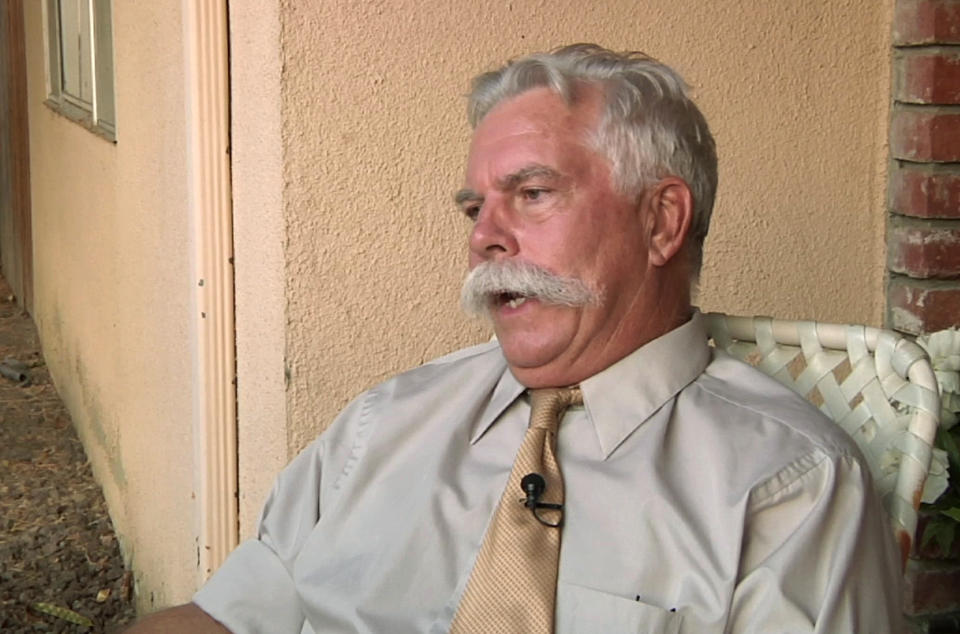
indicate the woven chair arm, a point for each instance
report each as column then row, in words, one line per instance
column 887, row 398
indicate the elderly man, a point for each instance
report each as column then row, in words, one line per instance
column 683, row 491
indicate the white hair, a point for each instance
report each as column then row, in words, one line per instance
column 650, row 127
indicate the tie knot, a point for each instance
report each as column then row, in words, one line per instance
column 547, row 404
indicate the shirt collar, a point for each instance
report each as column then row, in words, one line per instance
column 506, row 391
column 621, row 397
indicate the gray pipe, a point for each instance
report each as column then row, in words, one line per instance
column 13, row 375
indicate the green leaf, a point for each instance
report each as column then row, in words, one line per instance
column 953, row 513
column 62, row 613
column 949, row 445
column 941, row 531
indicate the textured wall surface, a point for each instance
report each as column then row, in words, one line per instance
column 259, row 237
column 800, row 118
column 375, row 137
column 112, row 288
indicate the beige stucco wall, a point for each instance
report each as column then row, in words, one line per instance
column 259, row 227
column 370, row 97
column 112, row 288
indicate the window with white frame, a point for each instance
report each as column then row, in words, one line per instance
column 80, row 63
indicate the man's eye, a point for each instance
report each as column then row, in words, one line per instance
column 471, row 212
column 534, row 194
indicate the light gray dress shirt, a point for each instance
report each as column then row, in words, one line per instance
column 701, row 496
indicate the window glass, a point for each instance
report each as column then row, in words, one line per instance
column 80, row 69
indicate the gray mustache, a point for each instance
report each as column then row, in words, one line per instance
column 490, row 279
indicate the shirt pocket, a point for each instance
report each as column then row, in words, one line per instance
column 581, row 610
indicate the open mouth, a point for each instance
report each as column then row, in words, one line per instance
column 513, row 300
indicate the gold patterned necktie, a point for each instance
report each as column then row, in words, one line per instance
column 513, row 585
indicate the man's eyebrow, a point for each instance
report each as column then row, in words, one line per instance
column 465, row 195
column 509, row 181
column 535, row 170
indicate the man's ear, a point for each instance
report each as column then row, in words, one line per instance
column 670, row 205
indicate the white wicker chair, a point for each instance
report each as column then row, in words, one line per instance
column 874, row 383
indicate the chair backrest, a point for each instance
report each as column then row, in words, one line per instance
column 874, row 383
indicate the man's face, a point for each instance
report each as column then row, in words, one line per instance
column 539, row 194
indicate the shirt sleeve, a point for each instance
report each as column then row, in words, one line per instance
column 818, row 554
column 254, row 590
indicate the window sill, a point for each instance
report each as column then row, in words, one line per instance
column 81, row 117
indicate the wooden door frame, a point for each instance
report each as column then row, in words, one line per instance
column 19, row 149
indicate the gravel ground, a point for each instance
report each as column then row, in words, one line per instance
column 60, row 565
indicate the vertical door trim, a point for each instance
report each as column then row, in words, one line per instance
column 206, row 63
column 19, row 153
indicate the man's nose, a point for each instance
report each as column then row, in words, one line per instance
column 493, row 236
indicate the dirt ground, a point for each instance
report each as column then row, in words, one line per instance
column 60, row 565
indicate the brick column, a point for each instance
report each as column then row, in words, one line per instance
column 923, row 235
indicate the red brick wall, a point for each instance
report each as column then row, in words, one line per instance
column 923, row 235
